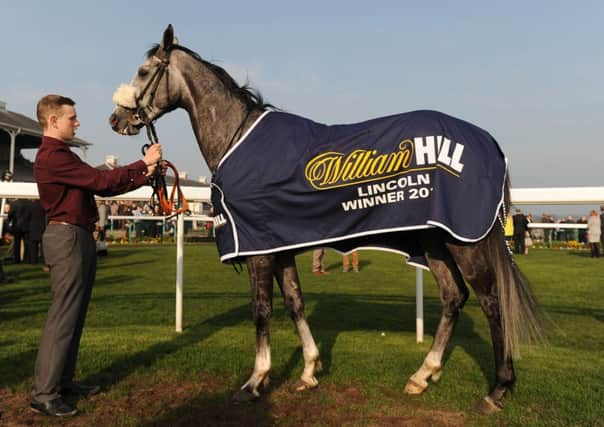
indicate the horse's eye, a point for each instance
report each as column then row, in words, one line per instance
column 142, row 72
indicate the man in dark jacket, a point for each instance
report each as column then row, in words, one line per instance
column 37, row 225
column 520, row 227
column 18, row 217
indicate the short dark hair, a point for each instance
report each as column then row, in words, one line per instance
column 51, row 104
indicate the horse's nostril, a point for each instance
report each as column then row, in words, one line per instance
column 113, row 120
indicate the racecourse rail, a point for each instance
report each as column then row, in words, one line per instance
column 520, row 196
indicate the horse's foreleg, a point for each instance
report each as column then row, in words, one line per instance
column 261, row 269
column 453, row 295
column 289, row 283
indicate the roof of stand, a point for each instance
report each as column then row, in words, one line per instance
column 30, row 135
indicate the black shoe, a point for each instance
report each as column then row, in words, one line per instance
column 81, row 389
column 54, row 408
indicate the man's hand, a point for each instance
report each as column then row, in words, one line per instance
column 152, row 157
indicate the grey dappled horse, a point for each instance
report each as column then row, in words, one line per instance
column 221, row 111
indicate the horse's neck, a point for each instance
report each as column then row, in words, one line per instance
column 216, row 115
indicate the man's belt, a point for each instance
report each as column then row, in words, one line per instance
column 89, row 227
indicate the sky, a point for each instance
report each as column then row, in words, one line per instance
column 529, row 72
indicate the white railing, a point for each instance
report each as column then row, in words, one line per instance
column 520, row 196
column 27, row 190
column 558, row 196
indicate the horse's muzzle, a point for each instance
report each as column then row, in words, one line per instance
column 123, row 126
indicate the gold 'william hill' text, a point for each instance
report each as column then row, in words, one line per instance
column 333, row 169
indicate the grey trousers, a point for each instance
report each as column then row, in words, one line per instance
column 317, row 259
column 71, row 254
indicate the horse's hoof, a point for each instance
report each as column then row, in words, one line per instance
column 413, row 387
column 243, row 396
column 302, row 385
column 488, row 406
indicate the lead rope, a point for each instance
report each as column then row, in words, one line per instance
column 169, row 207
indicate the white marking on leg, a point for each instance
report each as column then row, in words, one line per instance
column 431, row 367
column 310, row 352
column 262, row 367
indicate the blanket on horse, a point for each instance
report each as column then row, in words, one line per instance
column 290, row 184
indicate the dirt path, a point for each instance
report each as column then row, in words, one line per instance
column 206, row 401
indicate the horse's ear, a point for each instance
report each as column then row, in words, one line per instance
column 168, row 39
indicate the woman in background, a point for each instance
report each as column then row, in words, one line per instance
column 593, row 233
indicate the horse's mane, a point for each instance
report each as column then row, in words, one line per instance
column 250, row 96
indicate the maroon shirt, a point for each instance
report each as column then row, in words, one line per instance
column 67, row 185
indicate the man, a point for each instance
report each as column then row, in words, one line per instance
column 18, row 217
column 37, row 225
column 520, row 227
column 318, row 267
column 67, row 187
column 138, row 225
column 101, row 224
column 602, row 227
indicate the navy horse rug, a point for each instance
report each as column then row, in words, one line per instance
column 290, row 184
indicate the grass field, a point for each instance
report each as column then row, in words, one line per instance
column 363, row 323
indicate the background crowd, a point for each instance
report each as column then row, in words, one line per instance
column 25, row 223
column 523, row 236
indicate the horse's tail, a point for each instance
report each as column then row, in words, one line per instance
column 521, row 317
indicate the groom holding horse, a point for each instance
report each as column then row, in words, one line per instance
column 67, row 187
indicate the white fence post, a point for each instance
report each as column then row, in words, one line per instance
column 180, row 243
column 419, row 304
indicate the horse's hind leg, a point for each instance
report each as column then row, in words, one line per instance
column 287, row 278
column 477, row 268
column 453, row 295
column 261, row 269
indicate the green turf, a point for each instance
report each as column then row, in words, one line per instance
column 363, row 323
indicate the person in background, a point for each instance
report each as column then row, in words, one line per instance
column 571, row 233
column 101, row 224
column 18, row 217
column 528, row 235
column 318, row 267
column 582, row 232
column 602, row 227
column 547, row 232
column 114, row 210
column 509, row 229
column 346, row 262
column 594, row 233
column 520, row 228
column 37, row 225
column 7, row 176
column 138, row 225
column 67, row 187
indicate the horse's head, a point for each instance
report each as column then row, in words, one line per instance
column 152, row 92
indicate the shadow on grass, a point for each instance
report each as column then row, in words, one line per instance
column 582, row 254
column 334, row 314
column 122, row 367
column 217, row 409
column 17, row 368
column 9, row 297
column 337, row 266
column 117, row 267
column 114, row 279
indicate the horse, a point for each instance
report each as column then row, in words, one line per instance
column 222, row 113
